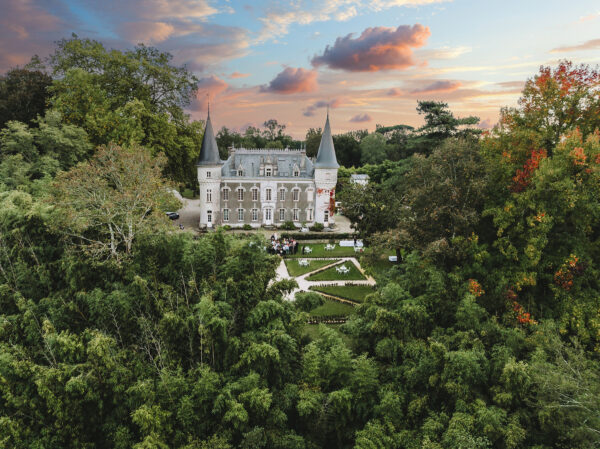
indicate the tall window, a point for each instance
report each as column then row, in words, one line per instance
column 281, row 214
column 255, row 194
column 295, row 194
column 296, row 215
column 209, row 196
column 225, row 214
column 326, row 217
column 240, row 214
column 208, row 174
column 309, row 215
column 254, row 214
column 281, row 194
column 240, row 192
column 268, row 172
column 268, row 195
column 209, row 216
column 225, row 194
column 268, row 214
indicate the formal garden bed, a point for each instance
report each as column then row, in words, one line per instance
column 295, row 269
column 331, row 308
column 331, row 274
column 350, row 292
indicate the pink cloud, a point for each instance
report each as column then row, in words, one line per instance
column 485, row 124
column 395, row 92
column 438, row 87
column 378, row 48
column 587, row 45
column 210, row 87
column 146, row 32
column 333, row 104
column 292, row 81
column 25, row 29
column 235, row 75
column 361, row 118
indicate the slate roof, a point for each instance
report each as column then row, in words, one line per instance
column 326, row 155
column 209, row 151
column 250, row 160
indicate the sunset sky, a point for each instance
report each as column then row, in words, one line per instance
column 370, row 60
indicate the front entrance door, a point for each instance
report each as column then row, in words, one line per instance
column 268, row 216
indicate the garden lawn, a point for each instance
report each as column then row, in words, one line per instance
column 351, row 292
column 331, row 275
column 332, row 308
column 294, row 269
column 318, row 250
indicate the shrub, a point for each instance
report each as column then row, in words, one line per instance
column 317, row 227
column 189, row 194
column 288, row 225
column 307, row 301
column 226, row 227
column 247, row 227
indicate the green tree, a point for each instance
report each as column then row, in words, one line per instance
column 373, row 149
column 440, row 124
column 103, row 204
column 23, row 95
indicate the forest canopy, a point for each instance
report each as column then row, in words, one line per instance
column 117, row 332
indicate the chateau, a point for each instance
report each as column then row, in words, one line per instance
column 266, row 187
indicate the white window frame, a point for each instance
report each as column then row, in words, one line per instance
column 209, row 216
column 240, row 214
column 208, row 174
column 281, row 194
column 309, row 213
column 326, row 216
column 254, row 191
column 268, row 171
column 209, row 195
column 296, row 214
column 254, row 214
column 226, row 194
column 296, row 194
column 296, row 173
column 281, row 214
column 240, row 194
column 268, row 195
column 268, row 214
column 225, row 214
column 240, row 172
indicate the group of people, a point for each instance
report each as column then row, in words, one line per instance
column 283, row 246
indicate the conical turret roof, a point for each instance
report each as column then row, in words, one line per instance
column 209, row 151
column 326, row 155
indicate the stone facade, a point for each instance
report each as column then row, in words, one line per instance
column 266, row 187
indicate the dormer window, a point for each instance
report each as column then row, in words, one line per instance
column 268, row 171
column 208, row 174
column 296, row 173
column 240, row 172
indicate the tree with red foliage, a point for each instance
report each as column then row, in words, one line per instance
column 556, row 101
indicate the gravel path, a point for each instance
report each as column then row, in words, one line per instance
column 304, row 285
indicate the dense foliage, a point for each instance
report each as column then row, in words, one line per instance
column 118, row 331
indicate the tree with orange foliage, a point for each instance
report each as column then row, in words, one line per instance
column 557, row 101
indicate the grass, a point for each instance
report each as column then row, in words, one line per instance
column 331, row 275
column 318, row 250
column 332, row 308
column 352, row 292
column 294, row 269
